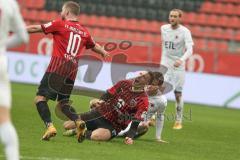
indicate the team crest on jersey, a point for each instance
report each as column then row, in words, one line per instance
column 133, row 103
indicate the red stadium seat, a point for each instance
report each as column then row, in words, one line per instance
column 92, row 20
column 201, row 19
column 196, row 30
column 212, row 20
column 112, row 22
column 189, row 18
column 217, row 33
column 236, row 36
column 222, row 21
column 229, row 9
column 228, row 34
column 154, row 26
column 132, row 24
column 218, row 8
column 234, row 22
column 43, row 16
column 102, row 21
column 222, row 46
column 83, row 19
column 199, row 44
column 122, row 23
column 207, row 7
column 212, row 46
column 149, row 37
column 32, row 15
column 143, row 25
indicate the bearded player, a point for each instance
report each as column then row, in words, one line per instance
column 177, row 47
column 69, row 40
column 124, row 102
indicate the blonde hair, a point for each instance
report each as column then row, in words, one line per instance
column 72, row 7
column 180, row 12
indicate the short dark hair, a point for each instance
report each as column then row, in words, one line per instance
column 180, row 12
column 73, row 7
column 156, row 76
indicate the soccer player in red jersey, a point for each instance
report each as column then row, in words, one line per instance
column 124, row 102
column 69, row 40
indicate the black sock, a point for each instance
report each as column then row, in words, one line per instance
column 141, row 131
column 69, row 112
column 88, row 134
column 44, row 112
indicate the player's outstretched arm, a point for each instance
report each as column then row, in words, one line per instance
column 34, row 29
column 100, row 50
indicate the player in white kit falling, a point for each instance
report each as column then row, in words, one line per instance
column 177, row 46
column 10, row 21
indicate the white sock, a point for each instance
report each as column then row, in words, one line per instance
column 159, row 125
column 8, row 137
column 179, row 110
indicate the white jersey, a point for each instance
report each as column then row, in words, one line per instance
column 174, row 45
column 157, row 104
column 11, row 21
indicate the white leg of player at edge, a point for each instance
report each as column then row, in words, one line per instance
column 8, row 137
column 179, row 113
column 159, row 126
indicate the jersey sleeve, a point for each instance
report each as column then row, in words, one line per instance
column 90, row 42
column 188, row 38
column 18, row 27
column 142, row 107
column 51, row 27
column 114, row 88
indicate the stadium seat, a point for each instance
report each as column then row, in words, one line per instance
column 200, row 44
column 112, row 22
column 218, row 8
column 132, row 24
column 148, row 37
column 222, row 21
column 43, row 16
column 236, row 36
column 154, row 26
column 212, row 20
column 102, row 21
column 234, row 22
column 32, row 14
column 201, row 19
column 189, row 18
column 223, row 46
column 212, row 46
column 207, row 7
column 228, row 34
column 229, row 9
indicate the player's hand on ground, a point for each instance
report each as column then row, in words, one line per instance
column 94, row 103
column 178, row 63
column 128, row 140
column 161, row 141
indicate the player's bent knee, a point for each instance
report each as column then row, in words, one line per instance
column 39, row 99
column 101, row 134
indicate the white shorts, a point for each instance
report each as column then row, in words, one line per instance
column 5, row 90
column 176, row 78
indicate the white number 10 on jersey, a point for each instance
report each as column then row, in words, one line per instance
column 73, row 44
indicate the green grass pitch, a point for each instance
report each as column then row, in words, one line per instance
column 211, row 134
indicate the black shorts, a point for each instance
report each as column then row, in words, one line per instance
column 53, row 86
column 95, row 120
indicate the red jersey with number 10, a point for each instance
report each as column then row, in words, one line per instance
column 69, row 40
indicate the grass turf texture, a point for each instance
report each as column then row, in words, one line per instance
column 213, row 133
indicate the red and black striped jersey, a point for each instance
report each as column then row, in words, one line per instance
column 124, row 105
column 69, row 40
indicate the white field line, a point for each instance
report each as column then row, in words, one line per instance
column 41, row 158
